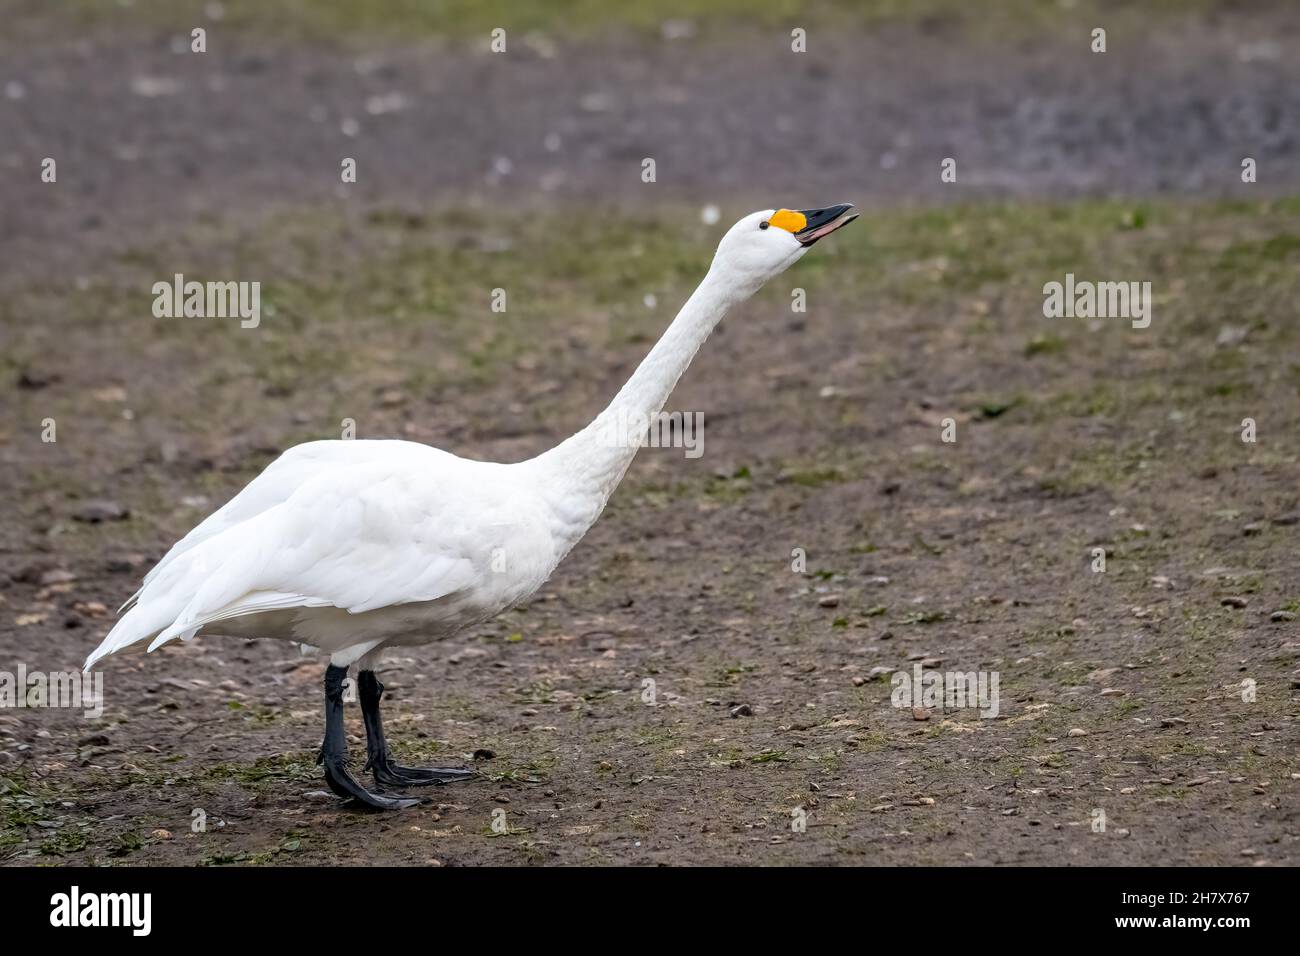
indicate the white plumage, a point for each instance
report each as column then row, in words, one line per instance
column 341, row 544
column 355, row 546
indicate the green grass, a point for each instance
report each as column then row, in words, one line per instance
column 264, row 771
column 33, row 820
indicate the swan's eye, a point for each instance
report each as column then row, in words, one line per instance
column 764, row 224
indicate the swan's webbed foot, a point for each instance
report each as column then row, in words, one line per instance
column 387, row 773
column 341, row 781
column 334, row 753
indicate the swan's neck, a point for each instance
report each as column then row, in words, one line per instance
column 587, row 467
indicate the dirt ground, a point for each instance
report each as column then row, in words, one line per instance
column 1159, row 694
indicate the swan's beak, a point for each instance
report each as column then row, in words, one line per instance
column 822, row 222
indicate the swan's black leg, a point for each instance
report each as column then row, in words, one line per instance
column 387, row 773
column 334, row 752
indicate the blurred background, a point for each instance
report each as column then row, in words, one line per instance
column 523, row 170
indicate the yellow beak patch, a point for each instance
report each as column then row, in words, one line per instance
column 789, row 220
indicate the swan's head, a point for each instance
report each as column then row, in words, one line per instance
column 766, row 243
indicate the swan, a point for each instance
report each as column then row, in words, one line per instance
column 354, row 547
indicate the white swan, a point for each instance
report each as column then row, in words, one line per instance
column 357, row 546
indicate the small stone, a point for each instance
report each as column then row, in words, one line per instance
column 56, row 576
column 677, row 29
column 830, row 600
column 1171, row 721
column 920, row 713
column 93, row 512
column 162, row 834
column 1077, row 732
column 1254, row 528
column 1231, row 335
column 859, row 681
column 33, row 380
column 392, row 102
column 1101, row 674
column 484, row 754
column 1280, row 617
column 1128, row 790
column 1234, row 601
column 1113, row 692
column 931, row 662
column 742, row 710
column 154, row 86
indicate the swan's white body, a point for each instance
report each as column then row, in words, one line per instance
column 355, row 546
column 344, row 545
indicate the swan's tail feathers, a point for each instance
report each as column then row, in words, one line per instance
column 223, row 576
column 176, row 600
column 258, row 602
column 141, row 622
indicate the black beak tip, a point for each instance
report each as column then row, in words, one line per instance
column 822, row 222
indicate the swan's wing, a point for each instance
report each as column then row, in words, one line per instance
column 360, row 538
column 277, row 482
